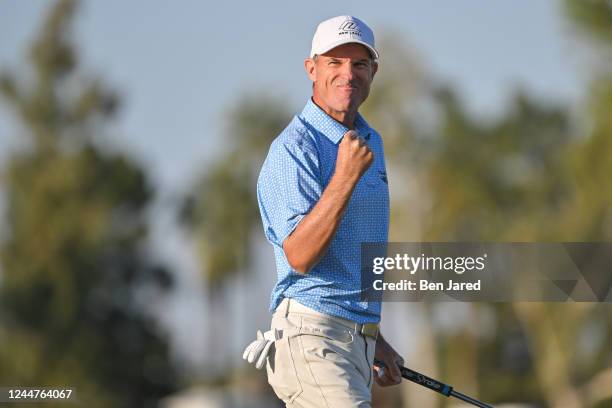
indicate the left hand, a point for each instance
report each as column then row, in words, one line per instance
column 389, row 375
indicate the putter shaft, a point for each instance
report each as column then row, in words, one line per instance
column 435, row 385
column 469, row 400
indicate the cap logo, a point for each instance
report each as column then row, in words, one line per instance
column 349, row 27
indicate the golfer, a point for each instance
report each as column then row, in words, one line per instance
column 322, row 191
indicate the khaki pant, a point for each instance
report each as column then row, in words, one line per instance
column 320, row 361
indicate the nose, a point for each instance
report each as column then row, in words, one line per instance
column 348, row 71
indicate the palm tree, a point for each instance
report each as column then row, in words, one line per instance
column 222, row 213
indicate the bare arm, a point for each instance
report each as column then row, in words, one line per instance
column 311, row 238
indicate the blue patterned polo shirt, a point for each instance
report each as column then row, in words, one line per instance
column 299, row 165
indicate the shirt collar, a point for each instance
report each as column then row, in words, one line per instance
column 330, row 127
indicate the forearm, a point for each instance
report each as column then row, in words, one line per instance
column 311, row 238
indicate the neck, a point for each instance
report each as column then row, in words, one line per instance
column 347, row 118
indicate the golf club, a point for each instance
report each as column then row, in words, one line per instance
column 435, row 385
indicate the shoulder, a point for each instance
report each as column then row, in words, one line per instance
column 296, row 138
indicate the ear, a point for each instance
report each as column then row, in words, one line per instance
column 374, row 68
column 311, row 69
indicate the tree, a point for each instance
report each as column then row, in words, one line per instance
column 524, row 176
column 221, row 211
column 531, row 176
column 75, row 271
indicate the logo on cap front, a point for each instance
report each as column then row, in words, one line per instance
column 349, row 27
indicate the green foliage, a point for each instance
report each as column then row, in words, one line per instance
column 497, row 181
column 589, row 213
column 75, row 277
column 222, row 210
column 593, row 16
column 529, row 174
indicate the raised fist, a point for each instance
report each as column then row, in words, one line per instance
column 354, row 157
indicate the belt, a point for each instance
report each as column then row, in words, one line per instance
column 291, row 306
column 369, row 329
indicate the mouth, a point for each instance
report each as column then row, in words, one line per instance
column 347, row 88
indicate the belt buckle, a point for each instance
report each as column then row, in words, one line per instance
column 370, row 329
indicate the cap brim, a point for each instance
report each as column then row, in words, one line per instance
column 347, row 41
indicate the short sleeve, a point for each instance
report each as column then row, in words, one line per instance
column 288, row 187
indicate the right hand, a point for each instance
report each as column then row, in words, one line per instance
column 354, row 157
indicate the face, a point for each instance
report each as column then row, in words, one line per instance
column 342, row 78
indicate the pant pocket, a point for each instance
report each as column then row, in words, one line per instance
column 331, row 369
column 334, row 333
column 282, row 375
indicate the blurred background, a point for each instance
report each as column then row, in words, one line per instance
column 132, row 260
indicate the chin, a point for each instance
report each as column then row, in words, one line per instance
column 346, row 105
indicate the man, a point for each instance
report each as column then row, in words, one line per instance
column 323, row 191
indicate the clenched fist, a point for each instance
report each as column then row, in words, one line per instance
column 354, row 157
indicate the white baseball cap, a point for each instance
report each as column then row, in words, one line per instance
column 342, row 30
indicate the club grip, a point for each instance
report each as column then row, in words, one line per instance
column 421, row 379
column 426, row 381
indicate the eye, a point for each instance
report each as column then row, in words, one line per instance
column 334, row 62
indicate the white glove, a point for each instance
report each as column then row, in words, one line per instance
column 258, row 350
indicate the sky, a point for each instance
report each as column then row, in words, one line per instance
column 179, row 66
